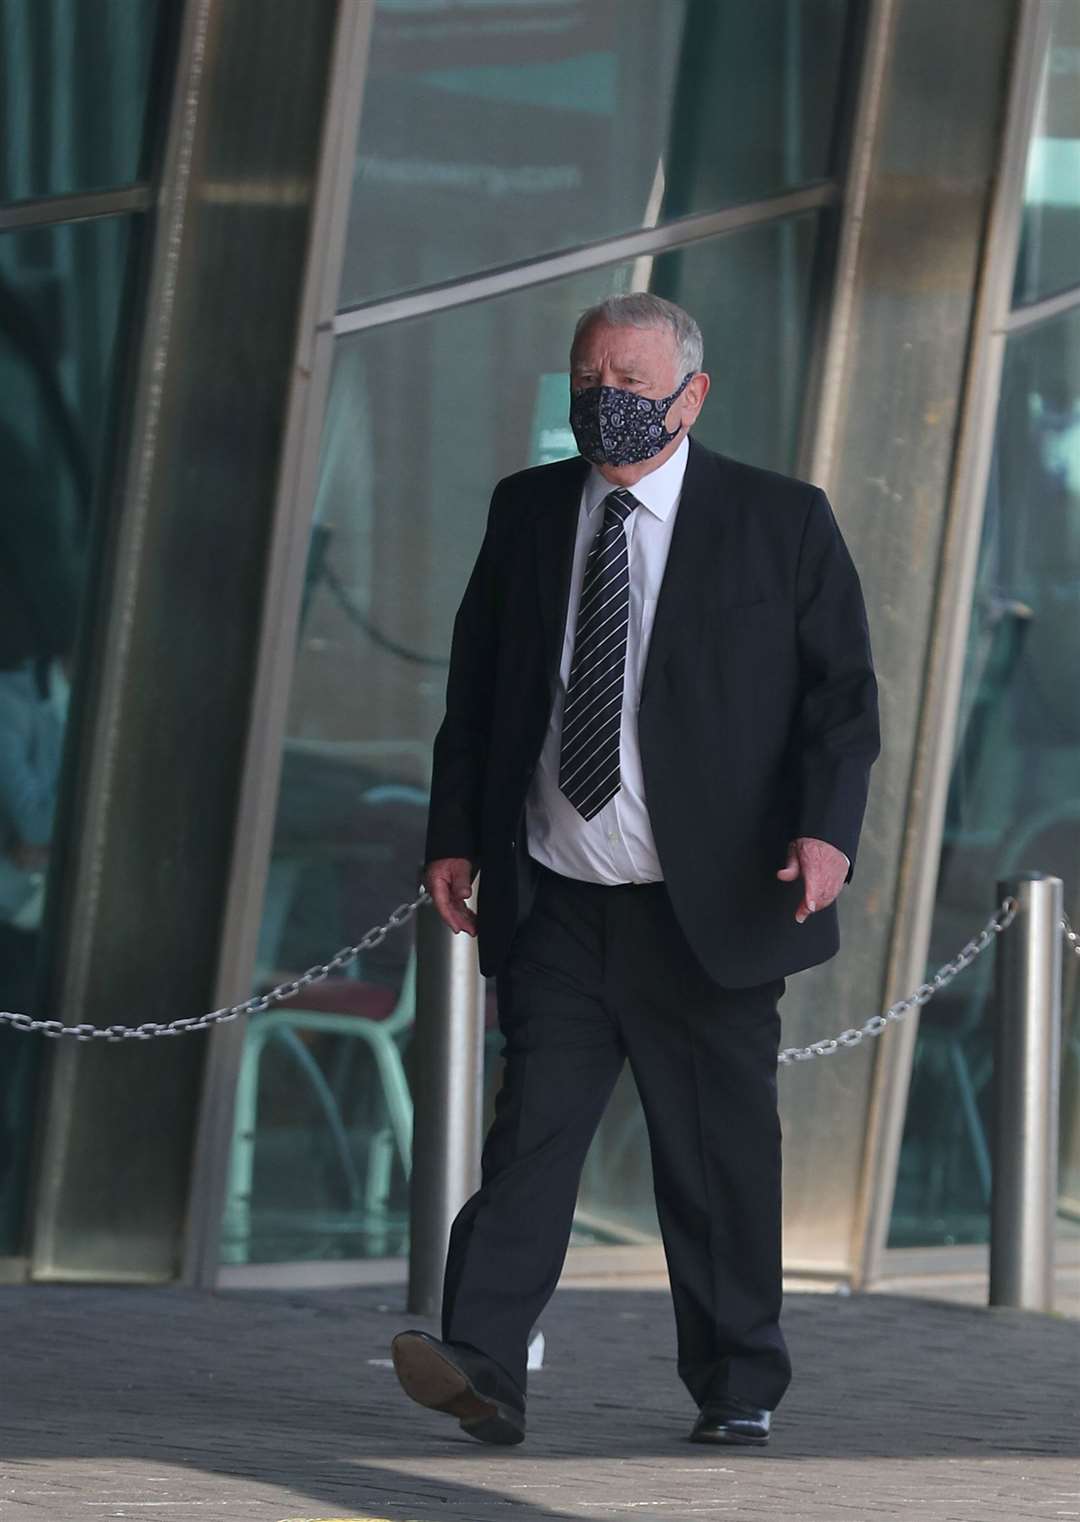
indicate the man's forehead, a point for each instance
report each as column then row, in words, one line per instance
column 624, row 342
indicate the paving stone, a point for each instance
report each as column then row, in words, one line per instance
column 263, row 1407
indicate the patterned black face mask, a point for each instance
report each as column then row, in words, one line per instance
column 617, row 427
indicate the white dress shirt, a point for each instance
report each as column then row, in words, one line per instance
column 616, row 845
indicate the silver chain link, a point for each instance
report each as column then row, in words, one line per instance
column 1000, row 920
column 147, row 1032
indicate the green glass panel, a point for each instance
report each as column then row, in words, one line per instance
column 424, row 417
column 492, row 135
column 1014, row 798
column 61, row 294
column 1049, row 259
column 74, row 83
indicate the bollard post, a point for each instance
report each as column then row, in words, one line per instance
column 1027, row 1057
column 448, row 1077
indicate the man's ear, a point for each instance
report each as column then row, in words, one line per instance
column 686, row 408
column 697, row 391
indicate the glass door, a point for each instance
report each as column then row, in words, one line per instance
column 1014, row 797
column 488, row 144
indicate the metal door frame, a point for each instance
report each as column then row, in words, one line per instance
column 321, row 323
column 917, row 878
column 293, row 512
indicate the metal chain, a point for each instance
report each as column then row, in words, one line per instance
column 1072, row 937
column 1000, row 920
column 146, row 1032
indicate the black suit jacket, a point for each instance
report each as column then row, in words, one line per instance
column 757, row 720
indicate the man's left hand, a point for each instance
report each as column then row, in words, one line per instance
column 823, row 870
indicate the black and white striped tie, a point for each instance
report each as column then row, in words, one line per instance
column 589, row 753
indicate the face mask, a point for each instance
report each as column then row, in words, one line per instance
column 617, row 427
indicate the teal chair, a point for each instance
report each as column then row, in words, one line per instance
column 361, row 1009
column 359, row 1017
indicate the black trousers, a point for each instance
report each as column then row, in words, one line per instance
column 597, row 975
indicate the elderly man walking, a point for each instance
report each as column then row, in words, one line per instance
column 661, row 717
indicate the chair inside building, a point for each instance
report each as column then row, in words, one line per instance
column 323, row 1119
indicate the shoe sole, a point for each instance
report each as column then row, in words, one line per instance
column 432, row 1380
column 727, row 1440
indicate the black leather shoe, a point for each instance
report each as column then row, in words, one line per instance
column 450, row 1377
column 731, row 1421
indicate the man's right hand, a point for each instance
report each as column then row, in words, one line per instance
column 449, row 881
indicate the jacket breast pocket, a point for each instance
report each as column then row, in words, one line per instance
column 752, row 648
column 750, row 606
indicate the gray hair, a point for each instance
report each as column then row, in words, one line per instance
column 640, row 309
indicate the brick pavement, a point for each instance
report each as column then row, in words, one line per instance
column 265, row 1406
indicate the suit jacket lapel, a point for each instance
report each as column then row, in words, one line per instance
column 556, row 534
column 698, row 526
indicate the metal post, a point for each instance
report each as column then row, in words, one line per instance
column 448, row 1074
column 1027, row 1056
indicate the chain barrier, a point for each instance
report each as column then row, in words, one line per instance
column 147, row 1032
column 998, row 922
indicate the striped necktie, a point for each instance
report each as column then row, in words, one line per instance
column 589, row 752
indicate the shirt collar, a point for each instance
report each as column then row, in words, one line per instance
column 658, row 491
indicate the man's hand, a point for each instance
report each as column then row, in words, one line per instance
column 449, row 881
column 823, row 870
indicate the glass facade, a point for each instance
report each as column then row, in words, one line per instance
column 489, row 138
column 74, row 92
column 1014, row 796
column 1050, row 228
column 503, row 154
column 61, row 295
column 61, row 299
column 72, row 108
column 425, row 414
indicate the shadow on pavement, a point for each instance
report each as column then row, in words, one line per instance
column 241, row 1403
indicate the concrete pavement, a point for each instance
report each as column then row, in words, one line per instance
column 261, row 1407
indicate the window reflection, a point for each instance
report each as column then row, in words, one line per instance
column 59, row 304
column 1049, row 258
column 495, row 134
column 424, row 417
column 74, row 77
column 1014, row 799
